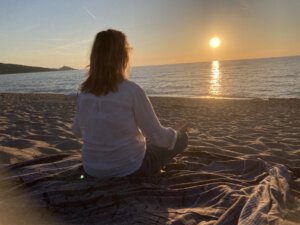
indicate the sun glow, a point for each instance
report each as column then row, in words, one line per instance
column 215, row 42
column 215, row 82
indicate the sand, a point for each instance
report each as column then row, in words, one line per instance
column 223, row 133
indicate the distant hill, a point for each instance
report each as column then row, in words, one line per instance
column 14, row 68
column 66, row 68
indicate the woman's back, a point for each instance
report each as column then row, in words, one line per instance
column 112, row 142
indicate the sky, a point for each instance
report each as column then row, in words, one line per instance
column 53, row 33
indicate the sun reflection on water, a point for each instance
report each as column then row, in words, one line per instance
column 215, row 81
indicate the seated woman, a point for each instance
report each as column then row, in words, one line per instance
column 114, row 117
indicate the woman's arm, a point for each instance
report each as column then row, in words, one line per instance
column 75, row 126
column 149, row 124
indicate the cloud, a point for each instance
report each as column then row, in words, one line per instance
column 244, row 5
column 89, row 13
column 25, row 29
column 55, row 39
column 73, row 44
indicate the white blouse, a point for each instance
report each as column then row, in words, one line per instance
column 113, row 128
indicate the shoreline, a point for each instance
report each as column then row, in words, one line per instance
column 164, row 96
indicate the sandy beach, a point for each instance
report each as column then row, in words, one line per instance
column 222, row 133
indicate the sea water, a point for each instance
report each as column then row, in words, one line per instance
column 255, row 78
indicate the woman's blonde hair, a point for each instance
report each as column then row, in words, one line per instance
column 108, row 63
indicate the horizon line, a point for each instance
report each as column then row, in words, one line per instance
column 165, row 64
column 241, row 59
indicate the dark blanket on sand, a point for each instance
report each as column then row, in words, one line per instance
column 219, row 190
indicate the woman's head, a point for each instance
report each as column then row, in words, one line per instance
column 108, row 63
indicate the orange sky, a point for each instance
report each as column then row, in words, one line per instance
column 56, row 33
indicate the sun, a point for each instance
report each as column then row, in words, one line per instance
column 214, row 42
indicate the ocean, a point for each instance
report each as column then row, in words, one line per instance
column 253, row 78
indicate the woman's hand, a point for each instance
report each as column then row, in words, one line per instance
column 181, row 127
